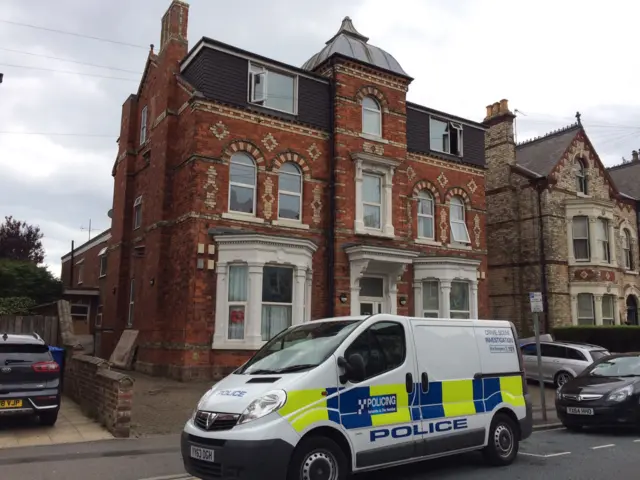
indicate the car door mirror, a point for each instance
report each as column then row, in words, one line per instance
column 354, row 368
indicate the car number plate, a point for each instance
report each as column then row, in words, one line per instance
column 204, row 454
column 579, row 411
column 10, row 403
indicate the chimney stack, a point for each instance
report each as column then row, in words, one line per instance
column 175, row 23
column 634, row 156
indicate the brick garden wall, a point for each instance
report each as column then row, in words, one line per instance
column 102, row 393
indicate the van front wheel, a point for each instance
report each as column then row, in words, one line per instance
column 503, row 445
column 318, row 458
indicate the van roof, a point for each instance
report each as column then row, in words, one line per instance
column 457, row 321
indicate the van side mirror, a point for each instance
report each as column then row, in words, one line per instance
column 354, row 368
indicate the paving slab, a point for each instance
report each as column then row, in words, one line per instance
column 72, row 427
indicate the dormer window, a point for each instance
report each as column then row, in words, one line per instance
column 446, row 136
column 371, row 117
column 271, row 89
column 581, row 176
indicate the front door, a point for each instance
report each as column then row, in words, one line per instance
column 371, row 295
column 377, row 412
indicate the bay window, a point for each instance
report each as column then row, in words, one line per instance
column 608, row 309
column 602, row 237
column 580, row 230
column 586, row 309
column 459, row 300
column 237, row 298
column 626, row 250
column 431, row 299
column 277, row 300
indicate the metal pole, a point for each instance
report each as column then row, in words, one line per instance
column 543, row 399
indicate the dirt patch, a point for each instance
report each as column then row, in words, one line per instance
column 162, row 406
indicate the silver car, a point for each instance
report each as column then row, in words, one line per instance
column 561, row 361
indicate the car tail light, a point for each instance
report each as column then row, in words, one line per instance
column 46, row 367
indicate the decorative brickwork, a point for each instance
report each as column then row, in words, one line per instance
column 426, row 185
column 294, row 157
column 370, row 90
column 244, row 146
column 459, row 192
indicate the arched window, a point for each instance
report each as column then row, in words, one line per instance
column 581, row 176
column 290, row 192
column 425, row 215
column 626, row 249
column 242, row 184
column 371, row 117
column 457, row 221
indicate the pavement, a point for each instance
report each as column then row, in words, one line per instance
column 554, row 453
column 72, row 426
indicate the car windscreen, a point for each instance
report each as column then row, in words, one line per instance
column 598, row 354
column 299, row 348
column 616, row 367
column 27, row 353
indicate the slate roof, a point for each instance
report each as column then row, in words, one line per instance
column 627, row 178
column 352, row 44
column 541, row 154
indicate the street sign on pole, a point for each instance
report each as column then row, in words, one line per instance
column 537, row 307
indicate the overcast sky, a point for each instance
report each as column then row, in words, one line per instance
column 549, row 58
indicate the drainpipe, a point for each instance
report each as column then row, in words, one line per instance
column 543, row 257
column 331, row 282
column 71, row 266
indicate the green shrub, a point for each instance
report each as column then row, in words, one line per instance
column 16, row 305
column 615, row 338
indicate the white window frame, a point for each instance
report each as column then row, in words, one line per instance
column 626, row 250
column 581, row 177
column 254, row 187
column 450, row 127
column 237, row 303
column 137, row 213
column 259, row 71
column 592, row 318
column 80, row 265
column 603, row 243
column 279, row 304
column 425, row 312
column 377, row 111
column 257, row 251
column 385, row 167
column 373, row 204
column 426, row 195
column 143, row 125
column 102, row 259
column 606, row 320
column 281, row 192
column 468, row 286
column 463, row 208
column 132, row 302
column 75, row 316
column 586, row 239
column 98, row 322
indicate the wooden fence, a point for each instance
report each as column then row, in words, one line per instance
column 45, row 326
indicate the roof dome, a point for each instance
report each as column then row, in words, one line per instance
column 351, row 43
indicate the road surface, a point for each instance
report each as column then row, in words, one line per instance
column 547, row 454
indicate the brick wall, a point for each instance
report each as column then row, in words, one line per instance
column 103, row 394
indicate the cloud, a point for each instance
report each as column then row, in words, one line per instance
column 550, row 59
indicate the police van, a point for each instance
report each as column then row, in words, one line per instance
column 338, row 396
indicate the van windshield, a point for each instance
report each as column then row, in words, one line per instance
column 300, row 348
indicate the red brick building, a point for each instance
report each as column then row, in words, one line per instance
column 251, row 195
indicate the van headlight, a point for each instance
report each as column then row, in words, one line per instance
column 268, row 403
column 621, row 394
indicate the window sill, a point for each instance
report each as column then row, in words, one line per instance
column 427, row 241
column 374, row 233
column 290, row 224
column 631, row 272
column 242, row 218
column 103, row 276
column 374, row 138
column 582, row 195
column 224, row 344
column 460, row 246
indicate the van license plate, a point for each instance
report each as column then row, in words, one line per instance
column 10, row 403
column 204, row 454
column 579, row 411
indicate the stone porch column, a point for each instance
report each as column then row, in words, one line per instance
column 300, row 277
column 598, row 312
column 417, row 298
column 445, row 300
column 253, row 319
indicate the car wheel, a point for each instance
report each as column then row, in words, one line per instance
column 318, row 458
column 49, row 418
column 503, row 445
column 562, row 378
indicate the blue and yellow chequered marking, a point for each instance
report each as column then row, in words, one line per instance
column 446, row 399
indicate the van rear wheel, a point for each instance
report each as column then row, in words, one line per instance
column 503, row 445
column 318, row 458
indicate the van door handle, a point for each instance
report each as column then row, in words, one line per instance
column 409, row 382
column 425, row 382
